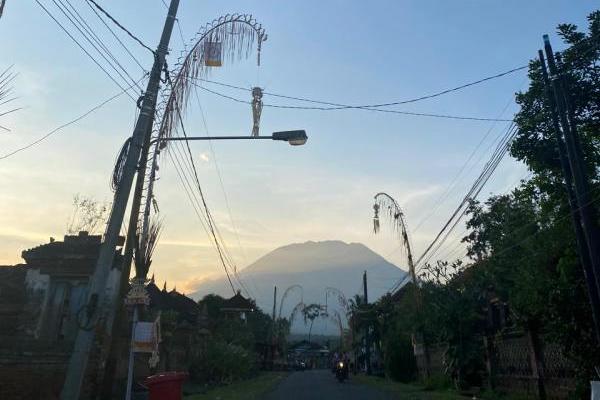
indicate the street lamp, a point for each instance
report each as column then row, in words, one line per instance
column 294, row 138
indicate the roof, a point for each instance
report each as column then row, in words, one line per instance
column 238, row 303
column 77, row 254
column 187, row 308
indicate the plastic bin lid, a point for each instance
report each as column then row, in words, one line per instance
column 166, row 377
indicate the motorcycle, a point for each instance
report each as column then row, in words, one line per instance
column 341, row 371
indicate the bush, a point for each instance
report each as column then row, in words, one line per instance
column 400, row 362
column 222, row 362
column 437, row 382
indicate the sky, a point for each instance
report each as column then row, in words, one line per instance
column 270, row 194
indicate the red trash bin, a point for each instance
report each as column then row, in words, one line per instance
column 166, row 385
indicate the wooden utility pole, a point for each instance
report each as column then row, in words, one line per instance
column 96, row 307
column 582, row 245
column 587, row 212
column 368, row 326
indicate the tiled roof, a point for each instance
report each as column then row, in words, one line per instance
column 238, row 303
column 187, row 308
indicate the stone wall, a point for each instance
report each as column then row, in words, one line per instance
column 31, row 375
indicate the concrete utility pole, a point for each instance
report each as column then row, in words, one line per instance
column 97, row 289
column 368, row 327
column 582, row 246
column 587, row 213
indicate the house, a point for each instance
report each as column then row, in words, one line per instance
column 237, row 306
column 40, row 302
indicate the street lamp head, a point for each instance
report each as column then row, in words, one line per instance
column 295, row 138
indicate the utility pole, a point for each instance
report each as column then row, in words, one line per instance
column 274, row 301
column 97, row 290
column 582, row 245
column 274, row 334
column 368, row 326
column 578, row 171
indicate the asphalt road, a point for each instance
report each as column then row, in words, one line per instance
column 322, row 385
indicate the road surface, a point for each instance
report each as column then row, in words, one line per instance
column 322, row 385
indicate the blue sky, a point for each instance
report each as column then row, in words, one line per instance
column 340, row 51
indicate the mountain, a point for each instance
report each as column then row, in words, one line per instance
column 314, row 266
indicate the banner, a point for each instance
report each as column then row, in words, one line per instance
column 147, row 337
column 212, row 54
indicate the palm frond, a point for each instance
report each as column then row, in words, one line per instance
column 145, row 246
column 236, row 34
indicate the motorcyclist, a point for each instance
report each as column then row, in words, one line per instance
column 341, row 369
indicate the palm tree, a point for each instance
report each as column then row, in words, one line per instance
column 311, row 312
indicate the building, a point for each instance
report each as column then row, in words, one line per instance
column 40, row 302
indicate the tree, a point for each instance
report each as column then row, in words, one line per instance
column 232, row 350
column 88, row 215
column 310, row 313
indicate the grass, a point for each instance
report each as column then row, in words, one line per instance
column 435, row 389
column 251, row 389
column 408, row 391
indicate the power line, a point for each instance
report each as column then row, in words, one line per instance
column 453, row 184
column 388, row 104
column 71, row 122
column 178, row 26
column 196, row 202
column 447, row 255
column 218, row 169
column 476, row 188
column 353, row 107
column 103, row 11
column 82, row 48
column 134, row 58
column 461, row 210
column 223, row 252
column 214, row 232
column 88, row 33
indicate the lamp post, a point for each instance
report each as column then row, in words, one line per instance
column 294, row 138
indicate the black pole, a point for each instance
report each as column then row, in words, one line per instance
column 368, row 327
column 582, row 246
column 274, row 334
column 575, row 156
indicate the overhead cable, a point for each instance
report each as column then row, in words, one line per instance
column 83, row 48
column 353, row 107
column 117, row 23
column 71, row 122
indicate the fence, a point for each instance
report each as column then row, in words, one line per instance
column 513, row 365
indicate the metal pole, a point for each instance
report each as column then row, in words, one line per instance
column 131, row 355
column 97, row 286
column 582, row 247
